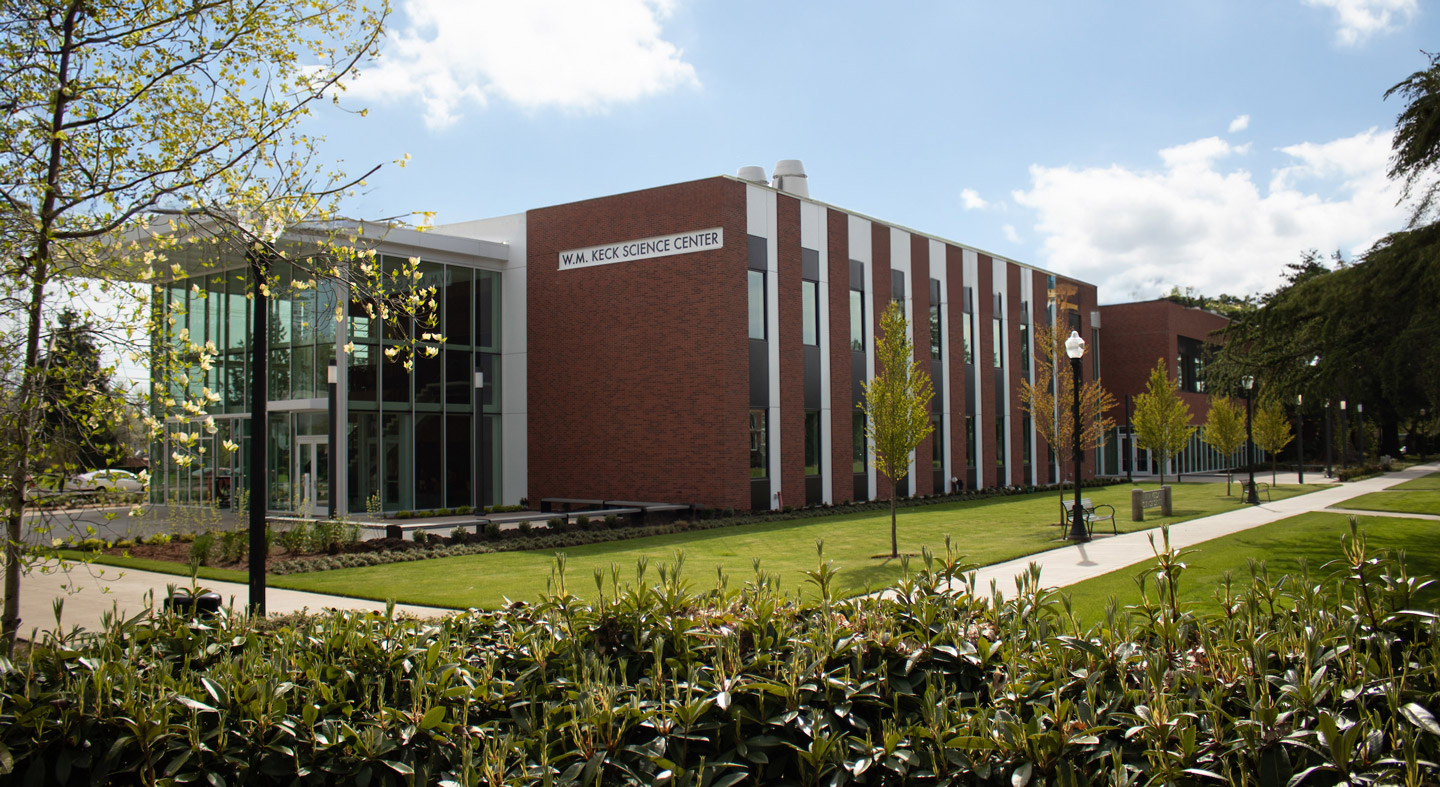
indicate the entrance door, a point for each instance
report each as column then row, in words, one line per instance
column 312, row 475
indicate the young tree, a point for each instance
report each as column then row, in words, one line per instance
column 1162, row 419
column 121, row 116
column 1049, row 401
column 1225, row 431
column 1272, row 432
column 896, row 404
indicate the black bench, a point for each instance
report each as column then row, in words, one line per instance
column 1090, row 514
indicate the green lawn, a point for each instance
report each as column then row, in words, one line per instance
column 1431, row 481
column 1313, row 537
column 986, row 531
column 160, row 566
column 1410, row 501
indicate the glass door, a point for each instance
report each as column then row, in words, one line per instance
column 312, row 475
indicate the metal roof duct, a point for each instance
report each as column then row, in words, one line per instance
column 753, row 174
column 790, row 177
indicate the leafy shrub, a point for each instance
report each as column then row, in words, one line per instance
column 124, row 543
column 582, row 522
column 524, row 527
column 294, row 539
column 1300, row 679
column 442, row 512
column 158, row 539
column 612, row 521
column 403, row 514
column 492, row 530
column 201, row 549
column 233, row 545
column 557, row 523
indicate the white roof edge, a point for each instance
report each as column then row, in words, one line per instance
column 904, row 228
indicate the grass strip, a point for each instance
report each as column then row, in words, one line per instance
column 1402, row 502
column 1314, row 538
column 1431, row 481
column 988, row 530
column 158, row 566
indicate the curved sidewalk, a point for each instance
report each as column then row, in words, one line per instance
column 91, row 592
column 1077, row 562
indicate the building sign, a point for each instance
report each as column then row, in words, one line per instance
column 643, row 249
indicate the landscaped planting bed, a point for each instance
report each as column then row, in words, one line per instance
column 729, row 681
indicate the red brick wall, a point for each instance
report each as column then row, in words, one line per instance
column 879, row 299
column 1015, row 451
column 1133, row 336
column 955, row 334
column 792, row 352
column 986, row 475
column 919, row 284
column 637, row 371
column 842, row 403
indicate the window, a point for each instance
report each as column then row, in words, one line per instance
column 937, row 439
column 1190, row 366
column 1025, row 350
column 857, row 321
column 970, row 442
column 1025, row 441
column 966, row 335
column 810, row 312
column 858, row 439
column 935, row 330
column 997, row 333
column 757, row 305
column 1000, row 442
column 812, row 442
column 759, row 449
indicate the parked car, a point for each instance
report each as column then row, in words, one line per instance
column 108, row 481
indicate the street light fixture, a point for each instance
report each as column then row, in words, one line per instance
column 1075, row 348
column 1300, row 436
column 1251, row 497
column 1344, row 437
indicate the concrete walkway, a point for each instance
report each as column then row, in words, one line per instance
column 92, row 592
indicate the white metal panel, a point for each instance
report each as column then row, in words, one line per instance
column 814, row 216
column 970, row 264
column 941, row 273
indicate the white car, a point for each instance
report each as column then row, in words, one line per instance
column 108, row 480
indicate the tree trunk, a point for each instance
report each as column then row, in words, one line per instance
column 894, row 542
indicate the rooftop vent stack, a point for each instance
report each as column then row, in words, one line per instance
column 753, row 174
column 790, row 177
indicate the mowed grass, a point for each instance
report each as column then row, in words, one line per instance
column 1314, row 538
column 1404, row 501
column 985, row 531
column 1431, row 481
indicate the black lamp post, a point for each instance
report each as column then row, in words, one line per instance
column 1251, row 497
column 332, row 377
column 1300, row 436
column 1329, row 439
column 1344, row 438
column 1360, row 430
column 1075, row 348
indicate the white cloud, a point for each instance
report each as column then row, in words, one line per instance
column 1240, row 123
column 1010, row 234
column 1360, row 19
column 569, row 54
column 972, row 200
column 1194, row 224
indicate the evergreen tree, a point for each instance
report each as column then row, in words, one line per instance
column 1162, row 419
column 896, row 404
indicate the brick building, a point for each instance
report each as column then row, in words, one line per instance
column 697, row 342
column 1137, row 336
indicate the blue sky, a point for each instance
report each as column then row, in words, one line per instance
column 1137, row 145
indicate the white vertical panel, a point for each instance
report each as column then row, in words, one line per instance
column 1000, row 284
column 939, row 273
column 860, row 251
column 1027, row 295
column 813, row 236
column 760, row 210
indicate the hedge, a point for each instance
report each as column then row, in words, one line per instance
column 1314, row 679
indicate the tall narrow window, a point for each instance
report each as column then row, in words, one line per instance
column 812, row 442
column 970, row 441
column 935, row 330
column 857, row 434
column 759, row 450
column 810, row 312
column 857, row 321
column 757, row 304
column 1025, row 350
column 998, row 334
column 937, row 437
column 1000, row 442
column 967, row 335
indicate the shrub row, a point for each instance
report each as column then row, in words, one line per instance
column 1300, row 680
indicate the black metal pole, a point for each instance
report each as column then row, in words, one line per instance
column 1077, row 518
column 259, row 429
column 1344, row 438
column 1300, row 439
column 1329, row 440
column 333, row 377
column 1251, row 497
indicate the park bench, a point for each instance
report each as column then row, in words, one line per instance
column 1141, row 500
column 549, row 503
column 1090, row 514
